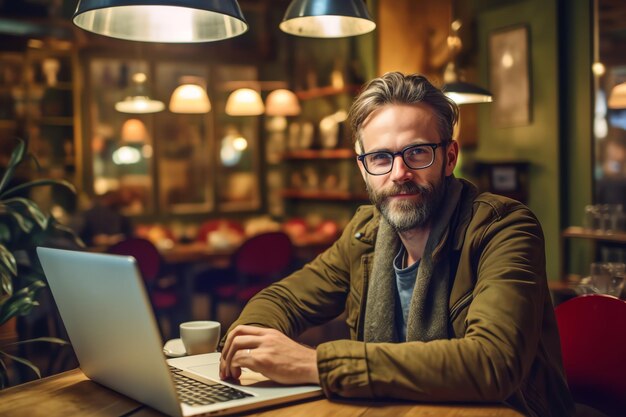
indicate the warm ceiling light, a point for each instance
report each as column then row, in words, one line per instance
column 162, row 20
column 617, row 98
column 134, row 130
column 282, row 102
column 327, row 18
column 190, row 98
column 455, row 88
column 138, row 99
column 244, row 102
column 465, row 93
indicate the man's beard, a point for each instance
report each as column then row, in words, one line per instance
column 407, row 214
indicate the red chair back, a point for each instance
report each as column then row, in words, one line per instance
column 593, row 341
column 145, row 253
column 264, row 256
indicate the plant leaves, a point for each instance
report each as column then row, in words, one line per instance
column 8, row 260
column 67, row 232
column 30, row 207
column 6, row 282
column 24, row 224
column 17, row 156
column 21, row 303
column 23, row 362
column 46, row 339
column 38, row 183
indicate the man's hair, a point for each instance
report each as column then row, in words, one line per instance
column 397, row 88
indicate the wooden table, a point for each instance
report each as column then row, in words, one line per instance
column 71, row 393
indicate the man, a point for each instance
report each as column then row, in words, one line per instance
column 444, row 288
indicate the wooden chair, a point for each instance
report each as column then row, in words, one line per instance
column 164, row 300
column 593, row 341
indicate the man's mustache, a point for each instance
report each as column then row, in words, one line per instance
column 407, row 188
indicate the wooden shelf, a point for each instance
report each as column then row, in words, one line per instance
column 320, row 154
column 324, row 195
column 326, row 92
column 582, row 233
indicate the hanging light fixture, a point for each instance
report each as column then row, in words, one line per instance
column 138, row 99
column 244, row 102
column 162, row 20
column 455, row 88
column 189, row 98
column 282, row 102
column 617, row 98
column 327, row 18
column 134, row 130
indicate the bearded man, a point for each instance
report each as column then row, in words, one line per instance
column 444, row 288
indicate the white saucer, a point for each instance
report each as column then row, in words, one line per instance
column 174, row 348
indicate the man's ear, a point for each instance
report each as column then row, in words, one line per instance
column 452, row 157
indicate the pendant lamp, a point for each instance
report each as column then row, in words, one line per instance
column 617, row 98
column 190, row 99
column 138, row 99
column 282, row 102
column 455, row 88
column 244, row 102
column 162, row 20
column 327, row 18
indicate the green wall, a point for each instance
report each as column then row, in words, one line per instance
column 538, row 141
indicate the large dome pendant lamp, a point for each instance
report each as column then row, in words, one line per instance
column 327, row 18
column 170, row 21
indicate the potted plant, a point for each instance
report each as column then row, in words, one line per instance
column 23, row 226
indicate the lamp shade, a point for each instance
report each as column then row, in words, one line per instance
column 162, row 20
column 327, row 18
column 462, row 92
column 134, row 130
column 137, row 100
column 282, row 102
column 190, row 98
column 244, row 102
column 617, row 98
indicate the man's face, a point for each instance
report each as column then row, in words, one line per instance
column 405, row 197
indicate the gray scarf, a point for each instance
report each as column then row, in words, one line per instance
column 428, row 312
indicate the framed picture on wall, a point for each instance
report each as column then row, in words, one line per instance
column 509, row 76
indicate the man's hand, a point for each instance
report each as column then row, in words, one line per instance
column 270, row 353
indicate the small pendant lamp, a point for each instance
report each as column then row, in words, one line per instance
column 327, row 18
column 162, row 20
column 244, row 102
column 138, row 100
column 190, row 99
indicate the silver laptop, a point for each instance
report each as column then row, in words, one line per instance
column 109, row 320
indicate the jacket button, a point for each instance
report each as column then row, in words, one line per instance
column 358, row 235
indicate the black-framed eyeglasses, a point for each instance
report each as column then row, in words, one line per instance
column 415, row 157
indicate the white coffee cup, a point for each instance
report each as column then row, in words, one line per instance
column 200, row 336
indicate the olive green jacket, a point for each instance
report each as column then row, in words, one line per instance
column 504, row 343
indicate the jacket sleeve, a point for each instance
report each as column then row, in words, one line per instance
column 503, row 327
column 311, row 296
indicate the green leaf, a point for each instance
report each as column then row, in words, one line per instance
column 55, row 340
column 67, row 232
column 23, row 362
column 28, row 206
column 5, row 231
column 24, row 224
column 38, row 183
column 16, row 158
column 8, row 260
column 6, row 282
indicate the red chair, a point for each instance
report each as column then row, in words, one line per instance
column 258, row 262
column 164, row 300
column 593, row 341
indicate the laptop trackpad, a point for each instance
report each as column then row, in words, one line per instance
column 247, row 378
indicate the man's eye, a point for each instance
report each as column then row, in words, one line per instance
column 379, row 157
column 416, row 151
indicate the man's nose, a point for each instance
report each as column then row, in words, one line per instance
column 400, row 172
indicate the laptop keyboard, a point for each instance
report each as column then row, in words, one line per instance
column 196, row 393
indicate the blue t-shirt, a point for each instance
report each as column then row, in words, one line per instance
column 405, row 282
